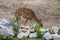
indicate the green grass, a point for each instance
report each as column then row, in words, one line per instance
column 34, row 39
column 29, row 39
column 15, row 39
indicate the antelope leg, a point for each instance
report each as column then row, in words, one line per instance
column 25, row 21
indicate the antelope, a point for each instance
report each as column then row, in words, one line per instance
column 28, row 14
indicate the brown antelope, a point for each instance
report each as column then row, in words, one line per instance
column 28, row 14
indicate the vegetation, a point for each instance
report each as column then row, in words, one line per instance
column 1, row 37
column 9, row 37
column 59, row 32
column 15, row 38
column 39, row 33
column 16, row 28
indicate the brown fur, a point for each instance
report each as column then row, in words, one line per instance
column 28, row 14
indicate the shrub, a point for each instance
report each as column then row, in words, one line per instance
column 9, row 37
column 1, row 36
column 15, row 33
column 39, row 33
column 59, row 32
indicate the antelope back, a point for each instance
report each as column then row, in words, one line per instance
column 26, row 13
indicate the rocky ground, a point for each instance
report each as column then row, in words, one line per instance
column 47, row 10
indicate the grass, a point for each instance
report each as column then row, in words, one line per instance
column 34, row 39
column 29, row 39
